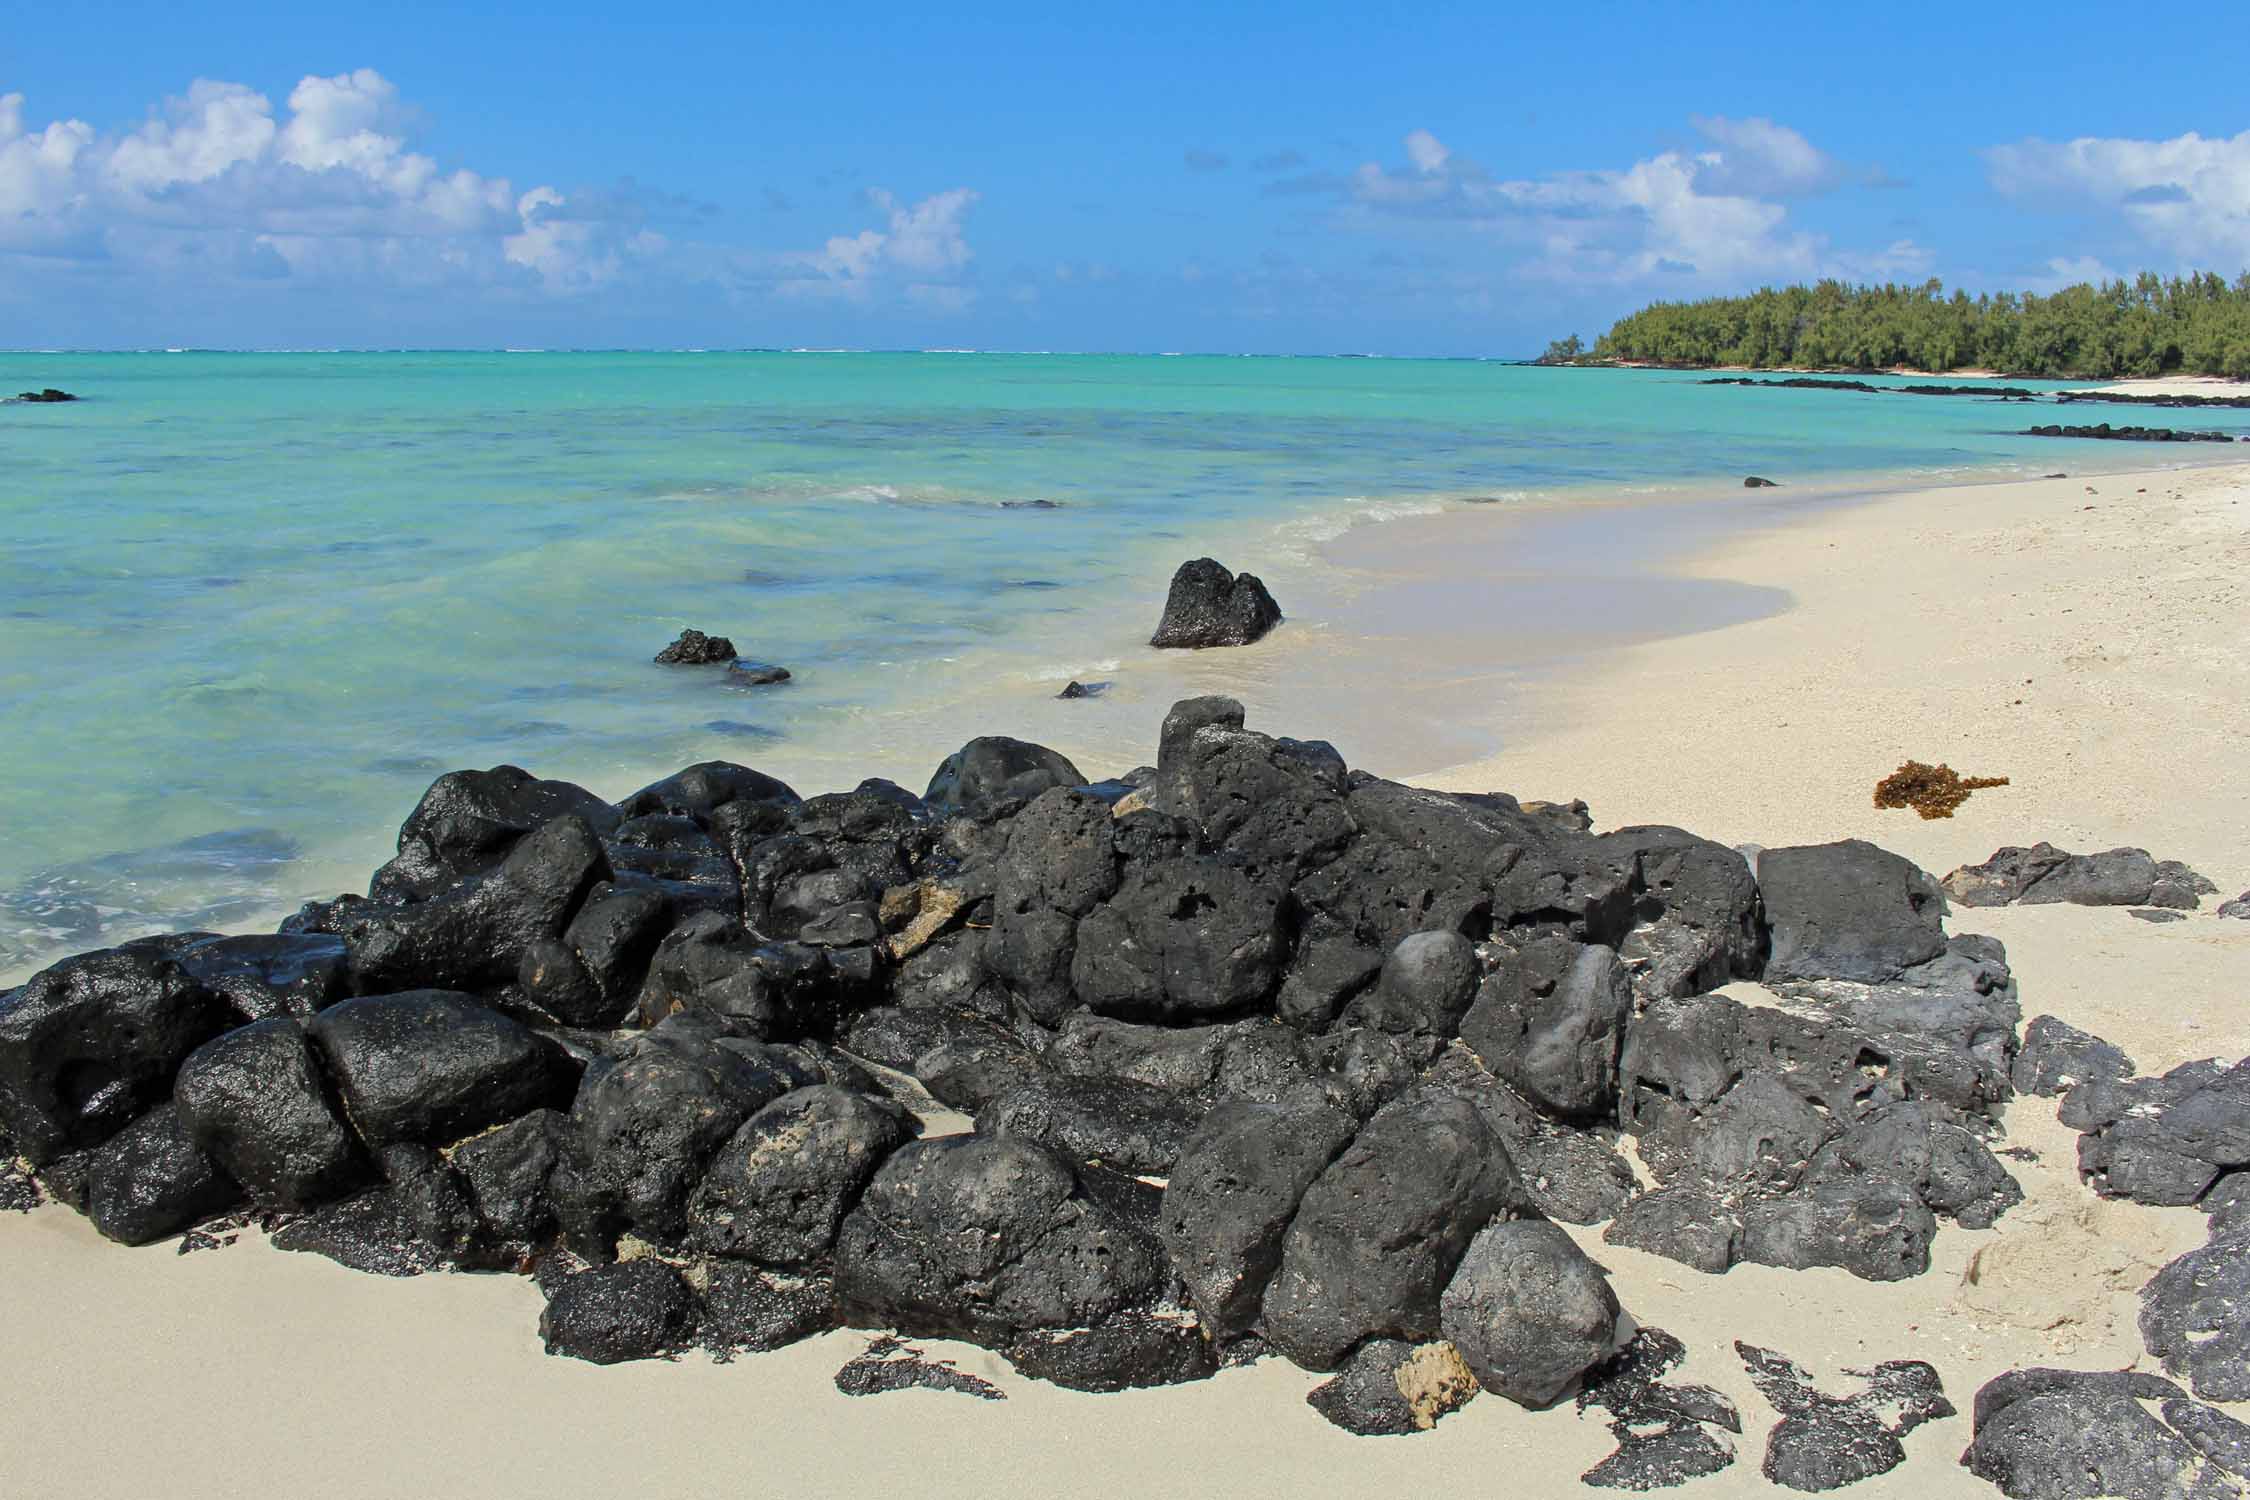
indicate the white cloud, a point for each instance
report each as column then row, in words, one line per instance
column 1427, row 152
column 1756, row 156
column 215, row 180
column 2188, row 196
column 1706, row 216
column 923, row 244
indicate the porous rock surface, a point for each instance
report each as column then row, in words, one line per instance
column 1264, row 1054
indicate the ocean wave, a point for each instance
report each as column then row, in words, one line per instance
column 1328, row 525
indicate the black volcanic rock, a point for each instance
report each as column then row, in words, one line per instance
column 89, row 1045
column 2045, row 1434
column 1230, row 1199
column 468, row 821
column 695, row 649
column 987, row 1237
column 993, row 774
column 149, row 1181
column 2045, row 874
column 1382, row 1230
column 256, row 1101
column 640, row 1309
column 1210, row 606
column 432, row 1067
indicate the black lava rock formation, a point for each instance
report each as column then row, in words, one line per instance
column 1210, row 606
column 1264, row 1054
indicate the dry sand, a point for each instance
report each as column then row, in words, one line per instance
column 2088, row 639
column 2179, row 385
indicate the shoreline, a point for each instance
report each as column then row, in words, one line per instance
column 1505, row 598
column 1906, row 612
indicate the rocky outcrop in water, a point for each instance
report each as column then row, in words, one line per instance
column 2129, row 434
column 1210, row 606
column 695, row 649
column 47, row 394
column 1264, row 1055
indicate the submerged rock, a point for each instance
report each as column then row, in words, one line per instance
column 1210, row 606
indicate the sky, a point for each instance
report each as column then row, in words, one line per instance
column 1313, row 178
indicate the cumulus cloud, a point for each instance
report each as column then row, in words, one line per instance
column 2188, row 196
column 1758, row 157
column 923, row 246
column 217, row 179
column 1715, row 215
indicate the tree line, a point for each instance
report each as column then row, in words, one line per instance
column 2198, row 324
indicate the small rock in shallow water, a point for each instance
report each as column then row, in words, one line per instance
column 1211, row 606
column 1078, row 689
column 1756, row 482
column 889, row 1365
column 756, row 674
column 695, row 649
column 47, row 394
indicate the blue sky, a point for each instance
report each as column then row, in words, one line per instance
column 1310, row 178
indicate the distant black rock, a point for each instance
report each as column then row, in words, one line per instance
column 47, row 395
column 2130, row 434
column 695, row 649
column 1079, row 689
column 1209, row 606
column 1756, row 483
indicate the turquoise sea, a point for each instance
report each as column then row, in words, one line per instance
column 251, row 603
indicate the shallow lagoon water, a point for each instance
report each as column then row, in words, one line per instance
column 251, row 604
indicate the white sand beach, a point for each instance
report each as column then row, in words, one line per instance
column 2087, row 638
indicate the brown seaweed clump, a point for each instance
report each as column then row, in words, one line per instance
column 1932, row 791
